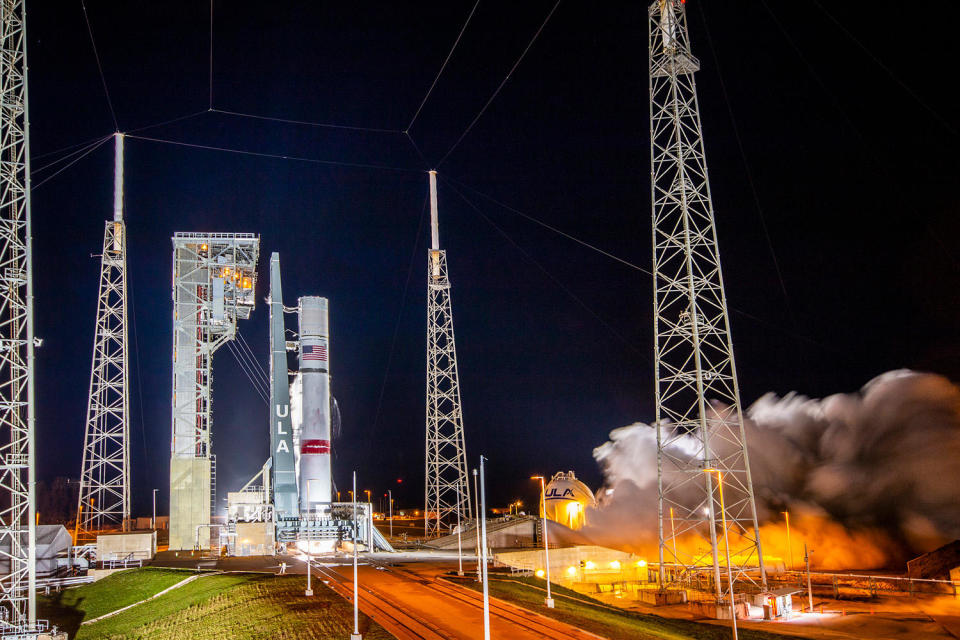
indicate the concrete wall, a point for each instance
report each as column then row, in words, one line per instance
column 143, row 524
column 136, row 545
column 189, row 502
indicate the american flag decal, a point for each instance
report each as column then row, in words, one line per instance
column 315, row 352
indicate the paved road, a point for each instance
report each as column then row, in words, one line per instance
column 412, row 602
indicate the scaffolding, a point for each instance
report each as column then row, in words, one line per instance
column 214, row 279
column 699, row 422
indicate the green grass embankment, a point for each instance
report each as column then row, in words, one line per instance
column 108, row 594
column 236, row 606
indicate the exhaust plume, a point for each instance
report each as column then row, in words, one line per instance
column 869, row 478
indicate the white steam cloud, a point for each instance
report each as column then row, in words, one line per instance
column 877, row 472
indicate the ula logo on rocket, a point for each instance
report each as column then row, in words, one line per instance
column 282, row 412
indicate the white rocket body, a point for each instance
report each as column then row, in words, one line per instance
column 316, row 483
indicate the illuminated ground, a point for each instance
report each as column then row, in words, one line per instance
column 935, row 618
column 245, row 606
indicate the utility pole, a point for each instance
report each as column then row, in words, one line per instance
column 726, row 542
column 459, row 540
column 18, row 533
column 356, row 583
column 546, row 543
column 446, row 459
column 696, row 390
column 104, row 497
column 483, row 554
column 476, row 495
column 786, row 514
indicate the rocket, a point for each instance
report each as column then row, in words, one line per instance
column 315, row 471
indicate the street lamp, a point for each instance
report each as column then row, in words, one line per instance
column 476, row 501
column 789, row 547
column 726, row 542
column 546, row 544
column 356, row 586
column 390, row 499
column 673, row 534
column 459, row 533
column 483, row 552
column 153, row 520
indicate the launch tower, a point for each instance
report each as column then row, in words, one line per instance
column 214, row 277
column 104, row 498
column 698, row 413
column 18, row 612
column 446, row 465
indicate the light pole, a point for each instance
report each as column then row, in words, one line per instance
column 476, row 501
column 459, row 535
column 309, row 591
column 153, row 520
column 789, row 546
column 356, row 585
column 483, row 551
column 806, row 558
column 390, row 499
column 673, row 534
column 546, row 544
column 726, row 542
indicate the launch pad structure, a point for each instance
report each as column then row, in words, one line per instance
column 699, row 420
column 18, row 507
column 214, row 278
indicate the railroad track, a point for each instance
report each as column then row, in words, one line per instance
column 517, row 617
column 393, row 619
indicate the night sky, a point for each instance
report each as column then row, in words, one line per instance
column 848, row 137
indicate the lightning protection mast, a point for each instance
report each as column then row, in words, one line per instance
column 698, row 415
column 104, row 500
column 446, row 461
column 18, row 613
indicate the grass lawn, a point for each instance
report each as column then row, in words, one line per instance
column 240, row 606
column 109, row 594
column 592, row 615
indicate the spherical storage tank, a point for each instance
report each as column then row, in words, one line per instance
column 567, row 500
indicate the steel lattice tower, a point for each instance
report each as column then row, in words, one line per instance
column 17, row 410
column 698, row 414
column 214, row 279
column 446, row 462
column 104, row 499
